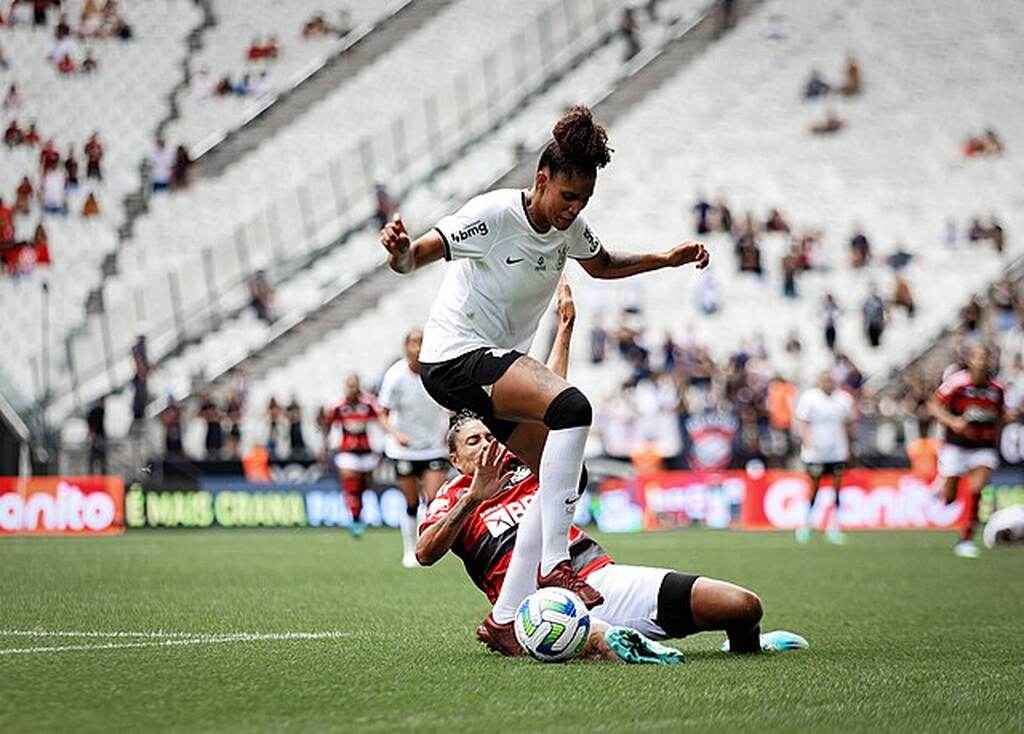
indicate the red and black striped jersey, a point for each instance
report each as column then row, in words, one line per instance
column 981, row 405
column 354, row 419
column 489, row 533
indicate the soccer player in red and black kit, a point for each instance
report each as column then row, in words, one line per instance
column 355, row 459
column 970, row 404
column 482, row 515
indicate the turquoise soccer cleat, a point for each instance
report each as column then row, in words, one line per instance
column 356, row 528
column 633, row 647
column 778, row 641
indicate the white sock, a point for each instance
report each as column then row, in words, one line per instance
column 560, row 467
column 408, row 534
column 521, row 576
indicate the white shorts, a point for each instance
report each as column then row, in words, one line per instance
column 356, row 462
column 955, row 461
column 630, row 597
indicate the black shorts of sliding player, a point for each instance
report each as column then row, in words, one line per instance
column 463, row 383
column 675, row 613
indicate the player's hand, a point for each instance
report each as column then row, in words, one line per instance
column 395, row 239
column 488, row 479
column 689, row 252
column 402, row 439
column 566, row 307
column 959, row 425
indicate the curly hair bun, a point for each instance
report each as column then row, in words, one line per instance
column 583, row 142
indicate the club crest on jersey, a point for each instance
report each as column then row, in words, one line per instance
column 540, row 264
column 499, row 520
column 470, row 230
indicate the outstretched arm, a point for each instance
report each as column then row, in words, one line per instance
column 558, row 360
column 404, row 255
column 609, row 265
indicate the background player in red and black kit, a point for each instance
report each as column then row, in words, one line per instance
column 355, row 459
column 970, row 404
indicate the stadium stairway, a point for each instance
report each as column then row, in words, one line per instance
column 341, row 66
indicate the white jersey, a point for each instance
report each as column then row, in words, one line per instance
column 827, row 416
column 503, row 275
column 413, row 412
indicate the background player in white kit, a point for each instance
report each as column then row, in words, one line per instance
column 510, row 247
column 415, row 441
column 824, row 418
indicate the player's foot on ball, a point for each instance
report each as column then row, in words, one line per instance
column 778, row 641
column 966, row 549
column 835, row 536
column 564, row 576
column 803, row 535
column 500, row 637
column 632, row 647
column 356, row 528
column 409, row 560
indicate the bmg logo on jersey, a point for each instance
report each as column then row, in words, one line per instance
column 470, row 230
column 499, row 520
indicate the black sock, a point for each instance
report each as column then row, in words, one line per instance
column 411, row 510
column 745, row 640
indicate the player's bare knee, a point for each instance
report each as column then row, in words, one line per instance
column 569, row 409
column 749, row 606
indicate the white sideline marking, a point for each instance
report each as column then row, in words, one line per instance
column 160, row 639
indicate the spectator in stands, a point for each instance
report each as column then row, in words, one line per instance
column 12, row 135
column 1005, row 303
column 161, row 166
column 261, row 87
column 261, row 296
column 831, row 311
column 94, row 157
column 816, row 86
column 53, row 192
column 749, row 255
column 96, row 419
column 91, row 207
column 62, row 29
column 996, row 234
column 702, row 210
column 275, row 419
column 140, row 382
column 598, row 342
column 860, row 250
column 297, row 449
column 874, row 317
column 902, row 296
column 170, row 418
column 66, row 64
column 31, row 136
column 851, row 83
column 49, row 156
column 776, row 222
column 89, row 64
column 318, row 27
column 386, row 205
column 6, row 223
column 39, row 10
column 233, row 414
column 12, row 100
column 260, row 49
column 724, row 217
column 991, row 143
column 832, row 123
column 630, row 31
column 790, row 268
column 41, row 245
column 182, row 168
column 71, row 169
column 212, row 417
column 971, row 317
column 23, row 196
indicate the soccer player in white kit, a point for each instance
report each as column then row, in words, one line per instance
column 509, row 248
column 824, row 417
column 415, row 442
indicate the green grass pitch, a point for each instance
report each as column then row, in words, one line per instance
column 904, row 637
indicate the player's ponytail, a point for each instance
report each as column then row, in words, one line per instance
column 579, row 145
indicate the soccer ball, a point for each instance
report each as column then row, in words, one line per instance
column 552, row 625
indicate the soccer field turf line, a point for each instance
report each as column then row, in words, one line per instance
column 903, row 635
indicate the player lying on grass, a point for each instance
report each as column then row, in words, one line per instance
column 488, row 517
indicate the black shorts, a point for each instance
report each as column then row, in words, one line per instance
column 460, row 384
column 675, row 612
column 826, row 469
column 416, row 467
